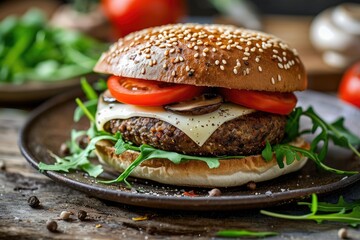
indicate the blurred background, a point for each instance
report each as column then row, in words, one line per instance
column 326, row 33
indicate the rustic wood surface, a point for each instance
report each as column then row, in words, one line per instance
column 107, row 220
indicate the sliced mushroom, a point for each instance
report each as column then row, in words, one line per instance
column 107, row 97
column 206, row 103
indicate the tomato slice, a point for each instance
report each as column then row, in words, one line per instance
column 349, row 89
column 279, row 103
column 150, row 93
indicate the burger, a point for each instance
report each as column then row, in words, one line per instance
column 203, row 91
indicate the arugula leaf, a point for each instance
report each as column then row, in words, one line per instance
column 32, row 50
column 333, row 207
column 267, row 153
column 78, row 160
column 88, row 90
column 91, row 107
column 352, row 218
column 335, row 132
column 243, row 233
column 148, row 152
column 86, row 111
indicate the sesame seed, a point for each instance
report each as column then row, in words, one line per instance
column 228, row 47
column 246, row 49
column 253, row 49
column 204, row 54
column 257, row 59
column 172, row 50
column 187, row 68
column 166, row 53
column 235, row 71
column 245, row 58
column 275, row 51
column 260, row 68
column 164, row 65
column 246, row 53
column 143, row 71
column 261, row 50
column 222, row 67
column 181, row 59
column 205, row 50
column 247, row 70
column 217, row 62
column 279, row 78
column 196, row 55
column 148, row 56
column 214, row 49
column 224, row 61
column 196, row 47
column 272, row 80
column 223, row 47
column 239, row 47
column 280, row 65
column 248, row 43
column 218, row 43
column 173, row 73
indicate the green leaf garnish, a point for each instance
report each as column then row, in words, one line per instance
column 78, row 161
column 243, row 233
column 333, row 207
column 335, row 132
column 339, row 212
column 148, row 152
column 88, row 90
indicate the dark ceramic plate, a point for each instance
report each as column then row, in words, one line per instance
column 50, row 125
column 36, row 91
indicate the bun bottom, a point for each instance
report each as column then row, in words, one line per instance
column 230, row 173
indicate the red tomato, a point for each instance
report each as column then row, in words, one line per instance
column 349, row 89
column 150, row 93
column 280, row 103
column 132, row 15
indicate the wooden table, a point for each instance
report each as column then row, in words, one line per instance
column 108, row 220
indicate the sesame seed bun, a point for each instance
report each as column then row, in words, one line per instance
column 231, row 172
column 206, row 55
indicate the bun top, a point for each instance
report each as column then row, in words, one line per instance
column 206, row 55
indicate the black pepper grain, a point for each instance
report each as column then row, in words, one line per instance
column 33, row 202
column 51, row 225
column 251, row 185
column 81, row 215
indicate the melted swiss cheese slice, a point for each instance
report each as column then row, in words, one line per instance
column 199, row 128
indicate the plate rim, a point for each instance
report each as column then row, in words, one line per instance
column 187, row 203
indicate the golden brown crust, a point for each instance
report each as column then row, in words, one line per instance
column 231, row 172
column 207, row 55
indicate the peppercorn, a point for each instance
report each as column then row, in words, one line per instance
column 251, row 185
column 64, row 150
column 51, row 225
column 81, row 215
column 33, row 202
